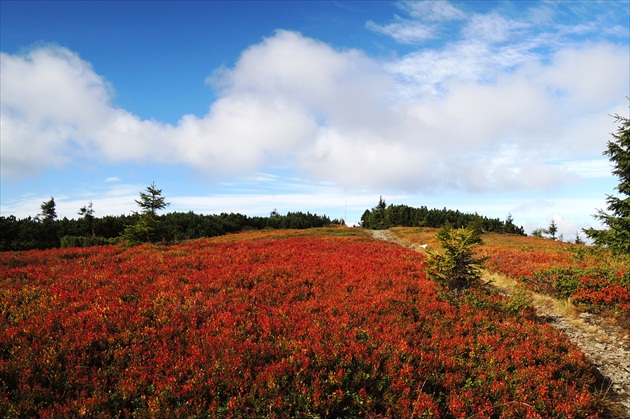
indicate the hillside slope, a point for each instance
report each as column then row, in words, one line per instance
column 605, row 342
column 271, row 325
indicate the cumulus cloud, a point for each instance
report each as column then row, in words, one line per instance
column 47, row 96
column 482, row 113
column 56, row 109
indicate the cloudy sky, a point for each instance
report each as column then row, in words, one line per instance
column 490, row 107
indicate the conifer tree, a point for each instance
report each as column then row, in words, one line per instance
column 49, row 212
column 457, row 267
column 147, row 227
column 552, row 230
column 87, row 212
column 152, row 200
column 616, row 235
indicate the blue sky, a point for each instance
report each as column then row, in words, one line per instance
column 490, row 107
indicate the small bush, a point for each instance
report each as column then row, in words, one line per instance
column 457, row 268
column 519, row 301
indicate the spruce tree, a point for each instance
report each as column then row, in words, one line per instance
column 457, row 267
column 49, row 211
column 87, row 212
column 552, row 230
column 616, row 235
column 146, row 229
column 152, row 200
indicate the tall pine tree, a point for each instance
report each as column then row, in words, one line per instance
column 617, row 219
column 152, row 200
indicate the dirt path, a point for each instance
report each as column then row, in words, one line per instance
column 606, row 345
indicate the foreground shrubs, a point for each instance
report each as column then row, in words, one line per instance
column 303, row 326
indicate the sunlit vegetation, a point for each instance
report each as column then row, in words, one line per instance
column 384, row 216
column 271, row 324
column 593, row 278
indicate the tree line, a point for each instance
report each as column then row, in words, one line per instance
column 32, row 233
column 47, row 231
column 384, row 216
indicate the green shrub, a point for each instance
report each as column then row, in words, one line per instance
column 457, row 267
column 565, row 281
column 519, row 301
column 83, row 241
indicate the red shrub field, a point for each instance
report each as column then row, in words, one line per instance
column 591, row 277
column 276, row 327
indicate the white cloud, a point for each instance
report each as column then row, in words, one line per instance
column 405, row 31
column 241, row 133
column 47, row 97
column 436, row 11
column 479, row 114
column 427, row 17
column 56, row 109
column 588, row 168
column 493, row 28
column 55, row 84
column 429, row 72
column 591, row 76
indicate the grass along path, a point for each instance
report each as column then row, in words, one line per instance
column 606, row 345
